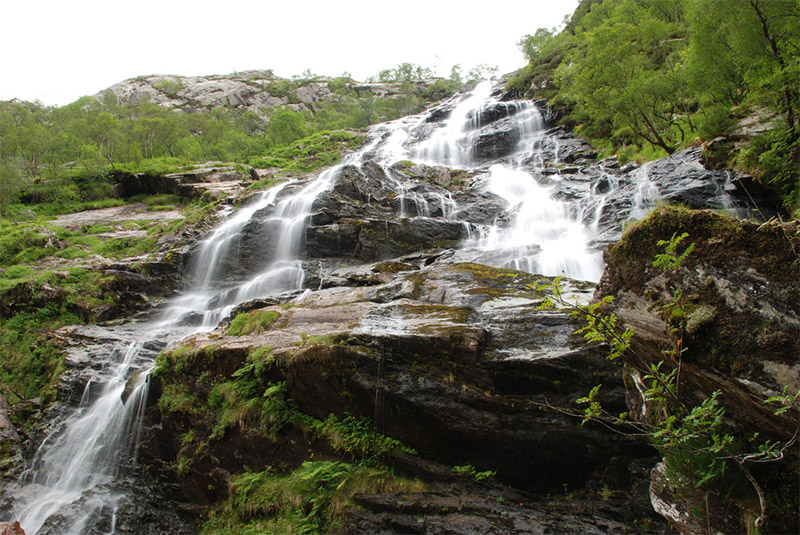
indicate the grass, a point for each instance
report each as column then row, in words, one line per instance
column 45, row 284
column 321, row 149
column 155, row 166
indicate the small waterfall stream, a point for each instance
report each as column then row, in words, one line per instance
column 554, row 225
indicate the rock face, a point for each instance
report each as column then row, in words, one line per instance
column 455, row 360
column 9, row 528
column 741, row 338
column 211, row 178
column 256, row 91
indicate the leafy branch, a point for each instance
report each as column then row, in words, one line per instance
column 694, row 439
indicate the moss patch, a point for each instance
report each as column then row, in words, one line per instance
column 252, row 322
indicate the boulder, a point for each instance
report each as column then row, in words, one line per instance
column 496, row 140
column 682, row 178
column 429, row 349
column 8, row 432
column 742, row 299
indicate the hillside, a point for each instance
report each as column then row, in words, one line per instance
column 566, row 301
column 260, row 92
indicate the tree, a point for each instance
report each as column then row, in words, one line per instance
column 286, row 125
column 533, row 45
column 749, row 47
column 10, row 182
column 625, row 75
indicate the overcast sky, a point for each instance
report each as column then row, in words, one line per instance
column 56, row 51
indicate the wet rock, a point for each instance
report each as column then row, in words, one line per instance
column 11, row 528
column 8, row 432
column 379, row 240
column 437, row 174
column 497, row 140
column 742, row 298
column 484, row 116
column 455, row 350
column 682, row 178
column 468, row 508
column 438, row 114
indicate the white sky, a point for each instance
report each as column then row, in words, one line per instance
column 56, row 51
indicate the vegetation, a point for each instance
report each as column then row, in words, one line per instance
column 253, row 322
column 62, row 155
column 701, row 450
column 304, row 497
column 311, row 499
column 320, row 149
column 61, row 160
column 645, row 78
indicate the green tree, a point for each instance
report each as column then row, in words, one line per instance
column 626, row 78
column 286, row 125
column 532, row 46
column 748, row 47
column 10, row 182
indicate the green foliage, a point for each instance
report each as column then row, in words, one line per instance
column 253, row 322
column 36, row 301
column 629, row 74
column 159, row 166
column 670, row 260
column 355, row 437
column 774, row 158
column 403, row 72
column 170, row 87
column 318, row 150
column 177, row 399
column 697, row 443
column 180, row 360
column 599, row 327
column 468, row 470
column 286, row 125
column 309, row 500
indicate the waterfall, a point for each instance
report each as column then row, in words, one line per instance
column 68, row 487
column 86, row 451
column 556, row 222
column 547, row 235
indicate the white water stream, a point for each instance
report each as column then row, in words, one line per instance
column 70, row 487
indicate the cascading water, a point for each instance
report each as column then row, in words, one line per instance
column 79, row 460
column 68, row 487
column 546, row 235
column 554, row 225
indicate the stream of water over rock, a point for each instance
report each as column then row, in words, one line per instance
column 556, row 219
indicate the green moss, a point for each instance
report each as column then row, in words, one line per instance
column 450, row 313
column 183, row 359
column 394, row 267
column 176, row 398
column 488, row 273
column 252, row 322
column 314, row 339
